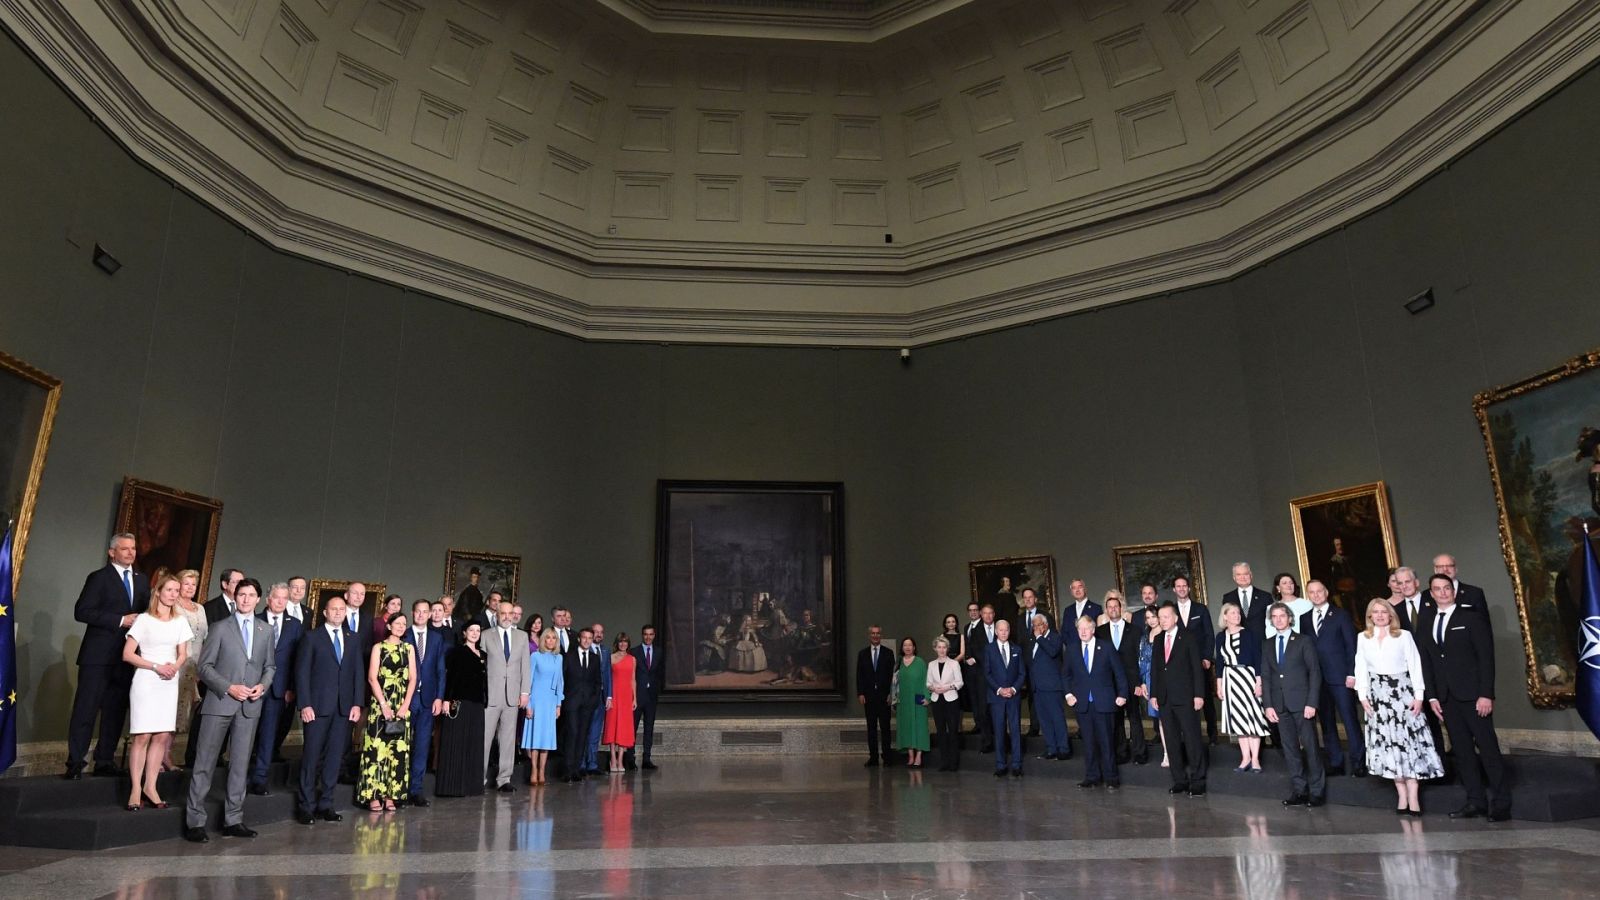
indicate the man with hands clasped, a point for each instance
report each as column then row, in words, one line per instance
column 1291, row 680
column 237, row 667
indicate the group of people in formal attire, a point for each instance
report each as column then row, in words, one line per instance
column 472, row 690
column 1272, row 666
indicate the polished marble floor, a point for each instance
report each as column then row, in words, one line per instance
column 825, row 827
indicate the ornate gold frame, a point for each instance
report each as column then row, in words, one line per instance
column 133, row 487
column 30, row 493
column 1376, row 489
column 1050, row 604
column 1197, row 572
column 451, row 555
column 318, row 585
column 1539, row 695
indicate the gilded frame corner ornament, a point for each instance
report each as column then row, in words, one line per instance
column 1541, row 696
column 41, row 447
column 1197, row 564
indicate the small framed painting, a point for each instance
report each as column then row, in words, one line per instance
column 1345, row 539
column 1001, row 580
column 1157, row 564
column 173, row 529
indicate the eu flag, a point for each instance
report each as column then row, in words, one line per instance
column 8, row 660
column 1589, row 641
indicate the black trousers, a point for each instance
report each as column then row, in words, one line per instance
column 577, row 714
column 877, row 710
column 645, row 714
column 977, row 689
column 1128, row 727
column 103, row 692
column 1186, row 750
column 947, row 732
column 1473, row 742
column 326, row 738
column 1211, row 704
column 1299, row 737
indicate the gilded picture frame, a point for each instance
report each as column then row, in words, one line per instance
column 1158, row 563
column 1344, row 538
column 172, row 528
column 496, row 572
column 323, row 588
column 1542, row 439
column 29, row 398
column 1000, row 580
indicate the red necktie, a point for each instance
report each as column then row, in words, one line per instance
column 1168, row 657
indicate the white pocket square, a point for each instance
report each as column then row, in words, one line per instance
column 1458, row 628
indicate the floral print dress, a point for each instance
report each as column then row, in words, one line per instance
column 386, row 762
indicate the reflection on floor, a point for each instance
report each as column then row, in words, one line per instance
column 825, row 827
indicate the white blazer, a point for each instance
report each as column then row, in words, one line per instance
column 951, row 674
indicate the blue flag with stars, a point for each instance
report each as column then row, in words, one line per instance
column 8, row 660
column 1589, row 641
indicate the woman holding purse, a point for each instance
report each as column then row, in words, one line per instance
column 386, row 748
column 944, row 686
column 906, row 693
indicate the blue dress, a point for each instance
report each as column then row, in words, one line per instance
column 547, row 692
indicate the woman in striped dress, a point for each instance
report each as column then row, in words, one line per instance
column 1239, row 686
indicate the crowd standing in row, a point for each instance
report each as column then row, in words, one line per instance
column 467, row 691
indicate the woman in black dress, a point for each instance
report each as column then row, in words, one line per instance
column 466, row 689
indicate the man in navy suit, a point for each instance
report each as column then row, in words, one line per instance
column 1196, row 619
column 431, row 645
column 1334, row 637
column 328, row 677
column 1291, row 677
column 1081, row 605
column 875, row 666
column 1048, row 687
column 1028, row 613
column 597, row 724
column 112, row 597
column 649, row 673
column 1097, row 687
column 1005, row 676
column 278, row 706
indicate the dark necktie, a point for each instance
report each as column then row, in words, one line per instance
column 1086, row 667
column 338, row 647
column 505, row 641
column 127, row 583
column 647, row 656
column 1438, row 631
column 1280, row 649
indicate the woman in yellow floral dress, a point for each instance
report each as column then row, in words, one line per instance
column 386, row 760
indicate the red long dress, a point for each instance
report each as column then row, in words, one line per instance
column 619, row 718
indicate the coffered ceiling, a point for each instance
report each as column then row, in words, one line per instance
column 881, row 172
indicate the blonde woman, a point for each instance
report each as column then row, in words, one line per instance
column 157, row 646
column 1389, row 683
column 193, row 612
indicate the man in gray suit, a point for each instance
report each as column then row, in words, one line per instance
column 1292, row 679
column 506, row 650
column 236, row 666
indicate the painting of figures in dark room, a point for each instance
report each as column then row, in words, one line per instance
column 28, row 399
column 749, row 589
column 1000, row 581
column 1345, row 539
column 1542, row 436
column 172, row 529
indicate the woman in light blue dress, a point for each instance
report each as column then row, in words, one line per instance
column 544, row 703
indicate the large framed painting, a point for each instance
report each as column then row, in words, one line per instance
column 1158, row 563
column 1000, row 580
column 323, row 589
column 1542, row 436
column 172, row 529
column 28, row 400
column 1345, row 539
column 493, row 571
column 749, row 594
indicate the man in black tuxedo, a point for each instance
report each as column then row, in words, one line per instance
column 649, row 674
column 1334, row 637
column 1253, row 601
column 979, row 638
column 1291, row 678
column 1177, row 694
column 875, row 666
column 1027, row 613
column 328, row 678
column 112, row 597
column 221, row 606
column 1127, row 728
column 1468, row 596
column 1196, row 619
column 584, row 694
column 1458, row 665
column 277, row 707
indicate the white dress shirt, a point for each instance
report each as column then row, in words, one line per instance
column 1385, row 654
column 295, row 611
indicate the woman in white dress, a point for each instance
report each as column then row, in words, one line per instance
column 189, row 679
column 1389, row 683
column 157, row 646
column 748, row 654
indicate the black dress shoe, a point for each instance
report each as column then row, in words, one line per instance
column 196, row 835
column 1499, row 815
column 1315, row 802
column 1045, row 756
column 1016, row 773
column 305, row 818
column 999, row 773
column 105, row 770
column 1414, row 813
column 239, row 831
column 1296, row 800
column 1334, row 771
column 72, row 774
column 1113, row 785
column 629, row 767
column 419, row 800
column 870, row 764
column 1197, row 791
column 1088, row 783
column 1360, row 772
column 506, row 788
column 1467, row 812
column 649, row 766
column 1178, row 789
column 329, row 815
column 257, row 790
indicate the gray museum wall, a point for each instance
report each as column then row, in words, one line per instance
column 355, row 430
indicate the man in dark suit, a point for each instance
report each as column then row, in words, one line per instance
column 328, row 675
column 1048, row 687
column 1097, row 687
column 875, row 666
column 1334, row 638
column 1005, row 675
column 1413, row 600
column 1291, row 678
column 979, row 638
column 1196, row 619
column 1253, row 601
column 1177, row 694
column 1458, row 665
column 1127, row 724
column 358, row 627
column 584, row 694
column 1079, row 604
column 649, row 674
column 1467, row 595
column 277, row 708
column 1027, row 613
column 237, row 666
column 221, row 606
column 430, row 644
column 112, row 597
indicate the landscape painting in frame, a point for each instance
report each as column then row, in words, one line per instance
column 750, row 589
column 1542, row 436
column 1157, row 564
column 28, row 399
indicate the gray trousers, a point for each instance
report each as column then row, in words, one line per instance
column 1299, row 737
column 501, row 722
column 241, row 735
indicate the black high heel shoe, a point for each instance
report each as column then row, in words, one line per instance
column 133, row 807
column 157, row 804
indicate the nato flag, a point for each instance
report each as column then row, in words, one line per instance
column 1589, row 641
column 8, row 660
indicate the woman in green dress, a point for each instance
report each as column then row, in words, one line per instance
column 909, row 694
column 386, row 759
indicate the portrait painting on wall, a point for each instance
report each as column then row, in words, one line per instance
column 471, row 576
column 750, row 589
column 1001, row 580
column 1345, row 539
column 1157, row 564
column 1542, row 436
column 172, row 529
column 323, row 589
column 28, row 399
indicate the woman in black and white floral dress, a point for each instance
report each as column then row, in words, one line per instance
column 1389, row 682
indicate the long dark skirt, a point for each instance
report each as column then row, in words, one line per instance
column 459, row 772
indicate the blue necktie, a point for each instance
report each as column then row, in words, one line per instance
column 244, row 634
column 1280, row 649
column 505, row 640
column 127, row 583
column 338, row 648
column 1086, row 667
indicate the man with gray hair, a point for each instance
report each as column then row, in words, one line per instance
column 1412, row 600
column 1252, row 602
column 112, row 597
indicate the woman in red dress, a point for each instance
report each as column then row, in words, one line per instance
column 619, row 718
